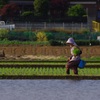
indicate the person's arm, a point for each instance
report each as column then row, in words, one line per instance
column 69, row 58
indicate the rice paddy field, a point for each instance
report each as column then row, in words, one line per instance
column 46, row 70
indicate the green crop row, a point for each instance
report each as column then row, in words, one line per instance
column 41, row 63
column 47, row 71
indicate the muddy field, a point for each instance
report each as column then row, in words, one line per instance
column 28, row 51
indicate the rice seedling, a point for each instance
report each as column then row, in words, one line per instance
column 47, row 71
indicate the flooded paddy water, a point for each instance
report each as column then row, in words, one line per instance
column 49, row 89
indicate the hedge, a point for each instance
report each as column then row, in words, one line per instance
column 79, row 42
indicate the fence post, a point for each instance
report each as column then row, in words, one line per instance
column 26, row 24
column 63, row 25
column 72, row 29
column 45, row 25
column 81, row 26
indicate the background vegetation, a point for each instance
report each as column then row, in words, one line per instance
column 42, row 10
column 47, row 37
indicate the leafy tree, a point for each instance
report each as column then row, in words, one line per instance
column 41, row 7
column 76, row 10
column 3, row 2
column 9, row 11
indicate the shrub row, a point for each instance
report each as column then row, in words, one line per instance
column 88, row 42
column 79, row 42
column 15, row 42
column 41, row 35
column 48, row 43
column 54, row 38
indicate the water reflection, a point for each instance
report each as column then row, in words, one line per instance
column 49, row 89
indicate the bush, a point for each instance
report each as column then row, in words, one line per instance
column 3, row 34
column 47, row 43
column 49, row 35
column 87, row 42
column 41, row 36
column 79, row 42
column 28, row 35
column 55, row 43
column 16, row 42
column 22, row 36
column 55, row 38
column 13, row 35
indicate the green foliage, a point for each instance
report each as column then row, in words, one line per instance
column 3, row 2
column 49, row 35
column 29, row 35
column 22, row 36
column 55, row 43
column 60, row 36
column 27, row 13
column 48, row 71
column 16, row 42
column 87, row 42
column 76, row 10
column 13, row 35
column 3, row 34
column 44, row 37
column 41, row 7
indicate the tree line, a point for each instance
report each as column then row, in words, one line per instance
column 41, row 9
